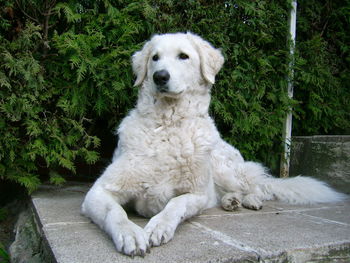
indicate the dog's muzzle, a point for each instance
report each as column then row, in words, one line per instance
column 161, row 78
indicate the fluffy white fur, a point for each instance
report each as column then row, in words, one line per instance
column 171, row 163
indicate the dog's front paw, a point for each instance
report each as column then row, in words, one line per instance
column 160, row 231
column 131, row 240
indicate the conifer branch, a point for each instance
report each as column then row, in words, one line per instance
column 26, row 14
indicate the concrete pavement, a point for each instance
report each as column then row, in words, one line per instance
column 277, row 233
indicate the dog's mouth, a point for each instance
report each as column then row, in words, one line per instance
column 165, row 91
column 162, row 88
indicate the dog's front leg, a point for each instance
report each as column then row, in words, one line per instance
column 104, row 209
column 161, row 227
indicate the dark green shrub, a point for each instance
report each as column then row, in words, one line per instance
column 66, row 79
column 55, row 83
column 4, row 256
column 323, row 68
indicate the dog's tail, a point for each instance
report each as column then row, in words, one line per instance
column 300, row 190
column 293, row 190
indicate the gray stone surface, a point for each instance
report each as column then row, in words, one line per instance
column 277, row 233
column 27, row 246
column 323, row 157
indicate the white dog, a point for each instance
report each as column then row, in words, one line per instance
column 171, row 163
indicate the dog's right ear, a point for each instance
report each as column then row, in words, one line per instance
column 139, row 63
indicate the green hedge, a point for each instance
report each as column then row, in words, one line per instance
column 65, row 75
column 323, row 68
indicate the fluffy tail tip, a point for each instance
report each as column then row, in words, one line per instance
column 305, row 190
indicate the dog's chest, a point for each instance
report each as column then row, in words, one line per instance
column 175, row 149
column 171, row 152
column 176, row 143
column 171, row 157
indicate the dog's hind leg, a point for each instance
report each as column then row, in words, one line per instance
column 231, row 201
column 238, row 180
column 252, row 201
column 225, row 161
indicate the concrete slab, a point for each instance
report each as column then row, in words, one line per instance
column 272, row 234
column 86, row 243
column 277, row 233
column 60, row 205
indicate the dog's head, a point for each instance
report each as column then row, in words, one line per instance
column 174, row 63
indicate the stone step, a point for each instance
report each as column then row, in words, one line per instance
column 277, row 233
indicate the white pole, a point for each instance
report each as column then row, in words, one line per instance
column 287, row 129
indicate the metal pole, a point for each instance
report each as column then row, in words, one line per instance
column 287, row 129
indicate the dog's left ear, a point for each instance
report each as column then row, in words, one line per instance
column 211, row 58
column 139, row 63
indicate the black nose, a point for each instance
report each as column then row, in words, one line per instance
column 161, row 77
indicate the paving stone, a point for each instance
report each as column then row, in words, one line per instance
column 277, row 233
column 271, row 234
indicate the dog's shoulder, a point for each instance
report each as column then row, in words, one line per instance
column 132, row 119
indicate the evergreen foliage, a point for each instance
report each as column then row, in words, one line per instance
column 65, row 70
column 4, row 256
column 323, row 68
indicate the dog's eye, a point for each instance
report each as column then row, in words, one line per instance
column 183, row 56
column 155, row 57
